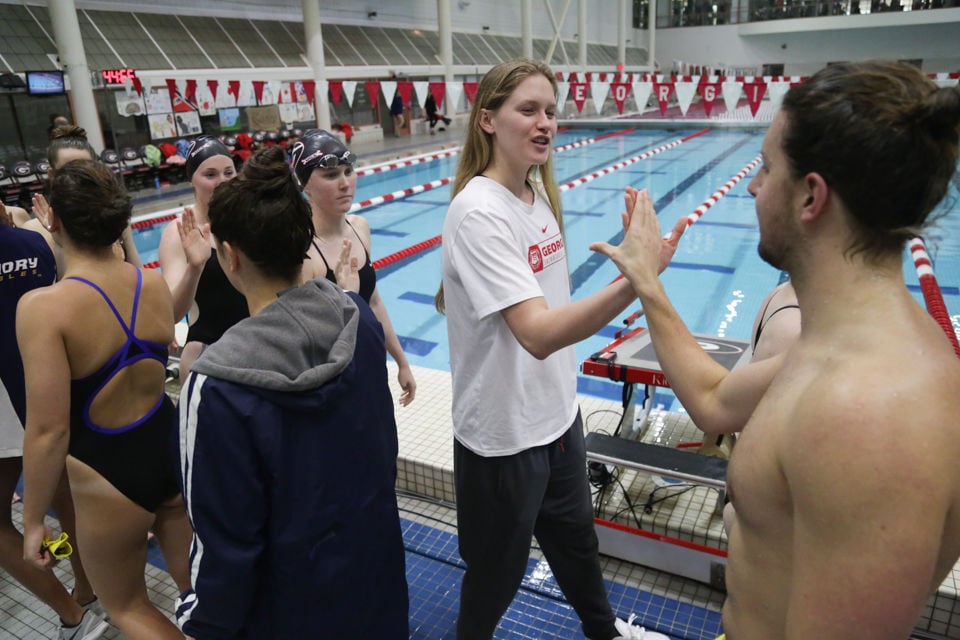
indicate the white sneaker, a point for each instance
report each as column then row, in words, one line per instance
column 91, row 627
column 628, row 631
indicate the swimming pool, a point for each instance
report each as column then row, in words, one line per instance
column 716, row 280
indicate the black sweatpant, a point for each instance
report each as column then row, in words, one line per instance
column 501, row 502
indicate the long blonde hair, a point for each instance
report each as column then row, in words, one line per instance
column 496, row 86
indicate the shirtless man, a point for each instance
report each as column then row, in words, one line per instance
column 845, row 479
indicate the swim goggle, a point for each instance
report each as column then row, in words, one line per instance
column 332, row 161
column 59, row 548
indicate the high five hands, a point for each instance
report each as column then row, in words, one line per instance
column 643, row 254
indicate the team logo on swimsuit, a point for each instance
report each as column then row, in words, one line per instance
column 545, row 253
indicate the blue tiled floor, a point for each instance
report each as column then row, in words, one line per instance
column 434, row 571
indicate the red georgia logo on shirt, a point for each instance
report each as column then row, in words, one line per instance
column 535, row 259
column 545, row 253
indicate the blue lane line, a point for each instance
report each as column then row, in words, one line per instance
column 593, row 263
column 385, row 232
column 413, row 296
column 582, row 214
column 728, row 225
column 416, row 346
column 950, row 291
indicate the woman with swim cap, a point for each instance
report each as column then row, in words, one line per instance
column 325, row 170
column 188, row 258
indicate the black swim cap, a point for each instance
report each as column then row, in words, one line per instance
column 201, row 148
column 318, row 148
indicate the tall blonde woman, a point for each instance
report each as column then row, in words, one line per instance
column 188, row 260
column 519, row 460
column 325, row 170
column 94, row 353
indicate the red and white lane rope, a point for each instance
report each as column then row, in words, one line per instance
column 722, row 191
column 693, row 217
column 932, row 295
column 586, row 141
column 626, row 163
column 399, row 164
column 417, row 248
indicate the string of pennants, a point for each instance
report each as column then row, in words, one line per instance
column 577, row 87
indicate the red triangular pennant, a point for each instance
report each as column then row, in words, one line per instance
column 258, row 90
column 172, row 88
column 709, row 92
column 137, row 85
column 310, row 89
column 336, row 92
column 405, row 89
column 191, row 93
column 754, row 91
column 470, row 88
column 620, row 91
column 438, row 90
column 373, row 91
column 233, row 88
column 578, row 91
column 663, row 91
column 212, row 85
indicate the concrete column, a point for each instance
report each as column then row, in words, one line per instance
column 526, row 28
column 582, row 34
column 446, row 39
column 311, row 28
column 623, row 23
column 652, row 35
column 66, row 31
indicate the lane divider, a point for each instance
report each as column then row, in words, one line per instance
column 403, row 193
column 932, row 295
column 693, row 217
column 417, row 248
column 626, row 163
column 722, row 191
column 399, row 164
column 171, row 214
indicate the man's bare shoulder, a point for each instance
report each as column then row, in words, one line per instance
column 882, row 409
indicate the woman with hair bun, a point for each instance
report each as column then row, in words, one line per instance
column 94, row 348
column 325, row 170
column 69, row 142
column 288, row 439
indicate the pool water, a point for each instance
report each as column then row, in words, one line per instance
column 716, row 280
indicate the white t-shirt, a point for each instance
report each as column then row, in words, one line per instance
column 498, row 251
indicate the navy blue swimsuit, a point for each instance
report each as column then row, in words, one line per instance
column 139, row 459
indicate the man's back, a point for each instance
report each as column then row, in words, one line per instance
column 845, row 481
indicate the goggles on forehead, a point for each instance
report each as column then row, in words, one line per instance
column 332, row 161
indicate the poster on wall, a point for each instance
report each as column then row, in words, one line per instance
column 161, row 126
column 188, row 123
column 229, row 119
column 158, row 100
column 129, row 103
column 291, row 113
